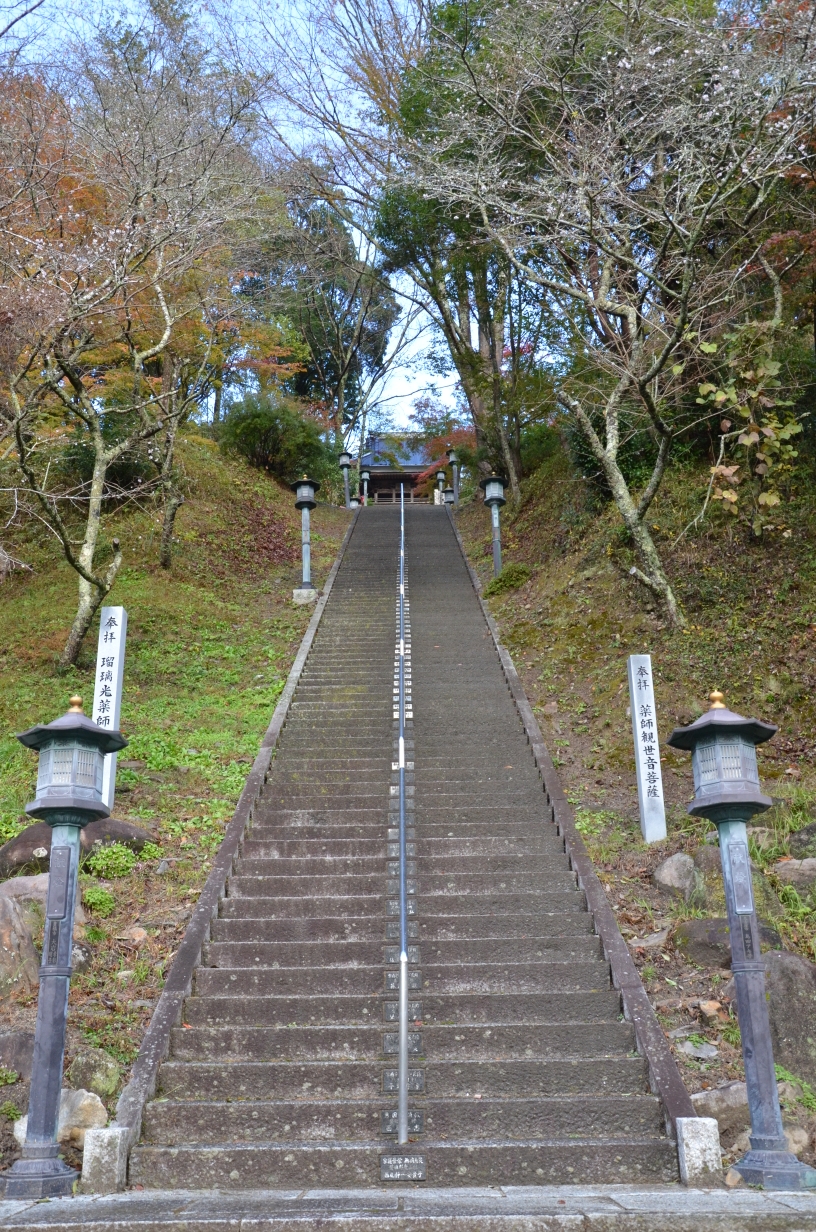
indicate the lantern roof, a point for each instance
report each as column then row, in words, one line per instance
column 720, row 720
column 73, row 722
column 304, row 479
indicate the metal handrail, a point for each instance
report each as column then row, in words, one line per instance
column 402, row 1106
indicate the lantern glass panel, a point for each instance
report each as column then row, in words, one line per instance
column 304, row 492
column 494, row 491
column 62, row 763
column 88, row 768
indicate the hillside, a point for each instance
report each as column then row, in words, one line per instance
column 209, row 647
column 571, row 626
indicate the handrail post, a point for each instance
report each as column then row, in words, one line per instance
column 402, row 1107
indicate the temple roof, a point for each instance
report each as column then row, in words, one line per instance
column 393, row 453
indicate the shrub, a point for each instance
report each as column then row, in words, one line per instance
column 100, row 902
column 151, row 851
column 274, row 437
column 7, row 1076
column 114, row 860
column 511, row 577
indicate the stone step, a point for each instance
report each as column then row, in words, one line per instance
column 569, row 975
column 540, row 1007
column 433, row 849
column 372, row 928
column 542, row 1162
column 239, row 1080
column 264, row 906
column 558, row 876
column 178, row 1122
column 473, row 1042
column 346, row 953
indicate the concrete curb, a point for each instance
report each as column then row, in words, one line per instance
column 105, row 1157
column 664, row 1075
column 501, row 1208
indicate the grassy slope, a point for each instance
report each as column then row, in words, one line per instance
column 209, row 648
column 751, row 607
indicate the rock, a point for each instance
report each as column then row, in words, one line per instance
column 703, row 1052
column 798, row 1139
column 79, row 1111
column 130, row 763
column 802, row 843
column 23, row 852
column 728, row 1105
column 734, row 1179
column 95, row 1070
column 81, row 957
column 712, row 838
column 31, row 893
column 109, row 830
column 762, row 836
column 134, row 935
column 675, row 875
column 801, row 874
column 708, row 892
column 17, row 1052
column 30, row 850
column 654, row 942
column 706, row 943
column 19, row 961
column 163, row 867
column 712, row 1013
column 791, row 989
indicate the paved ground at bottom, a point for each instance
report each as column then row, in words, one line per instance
column 594, row 1208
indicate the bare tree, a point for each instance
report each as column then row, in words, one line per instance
column 623, row 156
column 112, row 193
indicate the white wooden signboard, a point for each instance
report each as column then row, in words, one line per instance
column 110, row 669
column 647, row 749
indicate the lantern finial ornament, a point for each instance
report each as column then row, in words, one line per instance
column 717, row 700
column 75, row 706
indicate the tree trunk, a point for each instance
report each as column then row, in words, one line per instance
column 653, row 574
column 90, row 596
column 217, row 403
column 172, row 505
column 173, row 500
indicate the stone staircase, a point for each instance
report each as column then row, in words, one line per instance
column 283, row 1072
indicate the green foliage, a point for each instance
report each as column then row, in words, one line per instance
column 807, row 1096
column 731, row 1034
column 151, row 851
column 759, row 423
column 274, row 436
column 113, row 860
column 10, row 1111
column 98, row 900
column 511, row 577
column 7, row 1076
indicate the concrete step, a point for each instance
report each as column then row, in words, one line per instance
column 508, row 1008
column 178, row 1122
column 485, row 1042
column 568, row 975
column 429, row 884
column 346, row 953
column 204, row 1080
column 559, row 1161
column 248, row 927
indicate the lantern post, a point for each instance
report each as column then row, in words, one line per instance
column 365, row 476
column 440, row 480
column 453, row 460
column 727, row 792
column 305, row 490
column 345, row 463
column 72, row 753
column 493, row 487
